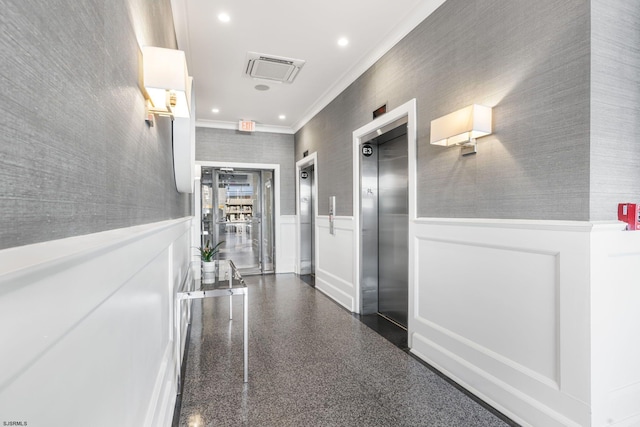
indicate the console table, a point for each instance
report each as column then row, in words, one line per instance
column 224, row 281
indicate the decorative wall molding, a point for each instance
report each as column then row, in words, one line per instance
column 335, row 268
column 615, row 349
column 76, row 303
column 518, row 224
column 286, row 245
column 506, row 307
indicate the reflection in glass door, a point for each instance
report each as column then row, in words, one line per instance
column 241, row 216
column 268, row 245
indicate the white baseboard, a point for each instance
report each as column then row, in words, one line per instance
column 333, row 287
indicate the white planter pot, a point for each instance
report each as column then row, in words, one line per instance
column 208, row 267
column 208, row 272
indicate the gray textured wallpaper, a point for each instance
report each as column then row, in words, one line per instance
column 615, row 106
column 528, row 60
column 222, row 145
column 76, row 156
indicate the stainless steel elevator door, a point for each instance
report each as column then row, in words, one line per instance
column 307, row 213
column 393, row 228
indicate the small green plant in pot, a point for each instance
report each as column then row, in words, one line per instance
column 207, row 255
column 207, row 252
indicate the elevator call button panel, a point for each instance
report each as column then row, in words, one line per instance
column 332, row 212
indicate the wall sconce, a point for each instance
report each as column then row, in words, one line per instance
column 168, row 89
column 462, row 127
column 165, row 83
column 184, row 148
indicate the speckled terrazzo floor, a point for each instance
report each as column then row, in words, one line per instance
column 311, row 363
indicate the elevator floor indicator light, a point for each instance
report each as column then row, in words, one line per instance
column 380, row 111
column 367, row 150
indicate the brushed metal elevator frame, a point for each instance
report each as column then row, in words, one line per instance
column 310, row 160
column 409, row 110
column 384, row 218
column 306, row 215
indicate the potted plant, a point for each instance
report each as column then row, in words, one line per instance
column 207, row 254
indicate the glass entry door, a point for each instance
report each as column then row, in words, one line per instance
column 242, row 217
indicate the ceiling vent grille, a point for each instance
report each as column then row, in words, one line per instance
column 273, row 68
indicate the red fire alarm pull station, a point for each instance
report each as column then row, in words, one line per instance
column 628, row 212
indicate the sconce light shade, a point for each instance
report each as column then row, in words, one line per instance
column 461, row 126
column 166, row 81
column 184, row 148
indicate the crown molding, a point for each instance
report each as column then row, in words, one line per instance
column 411, row 21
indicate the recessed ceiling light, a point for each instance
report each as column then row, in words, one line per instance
column 224, row 17
column 343, row 41
column 282, row 117
column 215, row 110
column 262, row 87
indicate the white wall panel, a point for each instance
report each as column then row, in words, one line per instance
column 286, row 245
column 502, row 307
column 514, row 314
column 335, row 261
column 89, row 323
column 537, row 318
column 615, row 334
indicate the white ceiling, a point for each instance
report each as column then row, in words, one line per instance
column 307, row 30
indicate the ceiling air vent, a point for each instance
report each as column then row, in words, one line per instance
column 274, row 68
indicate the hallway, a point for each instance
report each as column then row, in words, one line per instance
column 311, row 363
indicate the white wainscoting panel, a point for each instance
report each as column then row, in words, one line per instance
column 286, row 245
column 502, row 307
column 88, row 327
column 615, row 334
column 539, row 319
column 513, row 315
column 335, row 268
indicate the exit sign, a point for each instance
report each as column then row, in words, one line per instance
column 246, row 126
